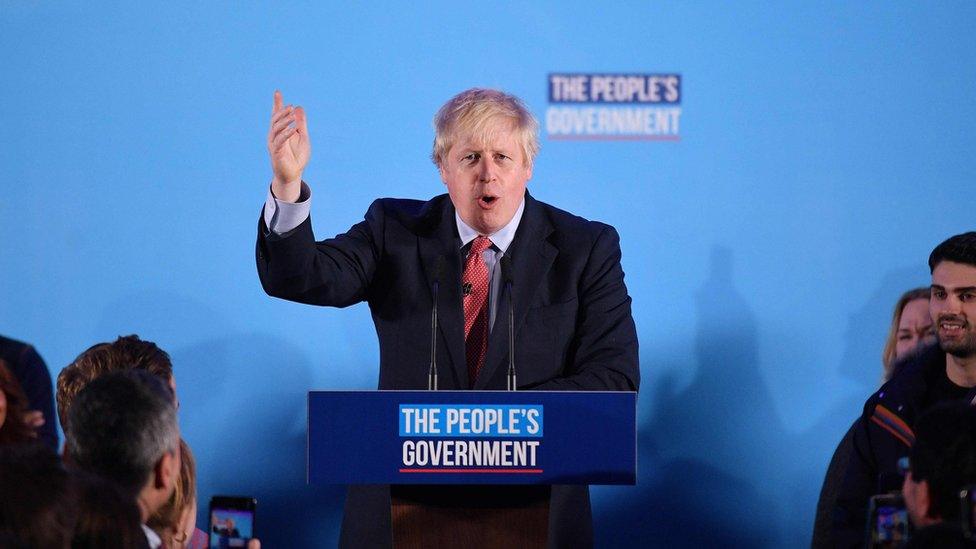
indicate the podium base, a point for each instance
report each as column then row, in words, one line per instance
column 469, row 516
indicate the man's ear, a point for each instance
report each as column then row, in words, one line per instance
column 166, row 471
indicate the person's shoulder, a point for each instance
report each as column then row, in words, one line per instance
column 411, row 213
column 916, row 371
column 15, row 352
column 569, row 225
column 898, row 399
column 9, row 344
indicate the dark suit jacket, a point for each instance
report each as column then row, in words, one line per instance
column 573, row 323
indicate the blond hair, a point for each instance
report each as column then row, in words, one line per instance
column 166, row 519
column 474, row 111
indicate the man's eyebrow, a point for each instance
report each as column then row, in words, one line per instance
column 964, row 289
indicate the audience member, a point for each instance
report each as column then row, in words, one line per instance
column 35, row 380
column 911, row 328
column 108, row 518
column 13, row 424
column 175, row 522
column 944, row 372
column 125, row 353
column 122, row 426
column 942, row 463
column 37, row 507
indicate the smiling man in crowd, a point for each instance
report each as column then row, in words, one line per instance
column 571, row 308
column 943, row 372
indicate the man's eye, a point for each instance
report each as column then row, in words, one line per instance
column 471, row 157
column 938, row 294
column 968, row 296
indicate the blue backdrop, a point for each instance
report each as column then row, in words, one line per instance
column 824, row 149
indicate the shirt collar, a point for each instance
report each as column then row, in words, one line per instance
column 152, row 537
column 502, row 238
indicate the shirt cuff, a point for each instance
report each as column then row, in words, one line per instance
column 282, row 217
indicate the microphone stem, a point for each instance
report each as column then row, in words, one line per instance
column 511, row 340
column 432, row 373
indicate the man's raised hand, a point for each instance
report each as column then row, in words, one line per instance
column 289, row 148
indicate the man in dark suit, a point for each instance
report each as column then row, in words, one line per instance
column 571, row 308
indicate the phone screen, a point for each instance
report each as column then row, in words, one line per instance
column 231, row 524
column 889, row 524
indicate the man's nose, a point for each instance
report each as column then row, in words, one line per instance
column 951, row 305
column 487, row 171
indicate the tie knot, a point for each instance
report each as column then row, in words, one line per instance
column 480, row 244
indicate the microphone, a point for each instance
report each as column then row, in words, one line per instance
column 432, row 371
column 506, row 263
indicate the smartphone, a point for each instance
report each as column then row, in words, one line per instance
column 888, row 523
column 231, row 521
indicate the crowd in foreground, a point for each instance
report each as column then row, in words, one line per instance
column 125, row 478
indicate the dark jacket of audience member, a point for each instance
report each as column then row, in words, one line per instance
column 108, row 518
column 37, row 505
column 35, row 380
column 883, row 435
column 13, row 428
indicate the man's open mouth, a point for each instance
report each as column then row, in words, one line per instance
column 951, row 326
column 487, row 201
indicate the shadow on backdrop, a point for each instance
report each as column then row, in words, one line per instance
column 709, row 460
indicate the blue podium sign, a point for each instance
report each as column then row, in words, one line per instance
column 472, row 437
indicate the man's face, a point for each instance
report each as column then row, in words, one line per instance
column 486, row 177
column 953, row 307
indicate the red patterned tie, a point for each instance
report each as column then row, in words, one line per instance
column 475, row 290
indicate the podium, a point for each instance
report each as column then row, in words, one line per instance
column 471, row 468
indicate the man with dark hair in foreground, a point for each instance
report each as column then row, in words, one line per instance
column 122, row 426
column 942, row 462
column 944, row 372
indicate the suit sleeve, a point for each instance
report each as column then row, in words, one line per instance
column 604, row 352
column 335, row 272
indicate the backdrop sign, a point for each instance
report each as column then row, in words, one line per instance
column 614, row 106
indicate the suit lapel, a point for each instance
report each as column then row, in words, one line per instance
column 442, row 242
column 532, row 256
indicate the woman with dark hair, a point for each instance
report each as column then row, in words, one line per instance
column 911, row 327
column 13, row 409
